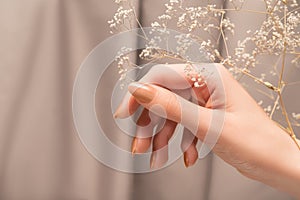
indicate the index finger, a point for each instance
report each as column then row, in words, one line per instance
column 167, row 76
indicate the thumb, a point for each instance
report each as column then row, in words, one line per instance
column 167, row 104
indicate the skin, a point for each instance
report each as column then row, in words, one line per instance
column 249, row 140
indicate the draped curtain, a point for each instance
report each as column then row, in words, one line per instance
column 43, row 43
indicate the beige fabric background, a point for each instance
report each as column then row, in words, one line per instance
column 43, row 43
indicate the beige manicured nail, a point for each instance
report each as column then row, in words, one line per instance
column 142, row 92
column 133, row 146
column 186, row 160
column 152, row 160
column 116, row 114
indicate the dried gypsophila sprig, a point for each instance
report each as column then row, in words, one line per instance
column 123, row 61
column 197, row 76
column 278, row 35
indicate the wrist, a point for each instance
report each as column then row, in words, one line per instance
column 286, row 170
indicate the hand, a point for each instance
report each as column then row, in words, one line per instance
column 248, row 139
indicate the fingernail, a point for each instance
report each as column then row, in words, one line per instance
column 152, row 160
column 143, row 93
column 186, row 160
column 117, row 112
column 133, row 146
column 121, row 112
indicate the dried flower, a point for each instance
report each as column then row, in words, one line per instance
column 278, row 35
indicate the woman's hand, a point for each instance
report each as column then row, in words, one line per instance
column 248, row 140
